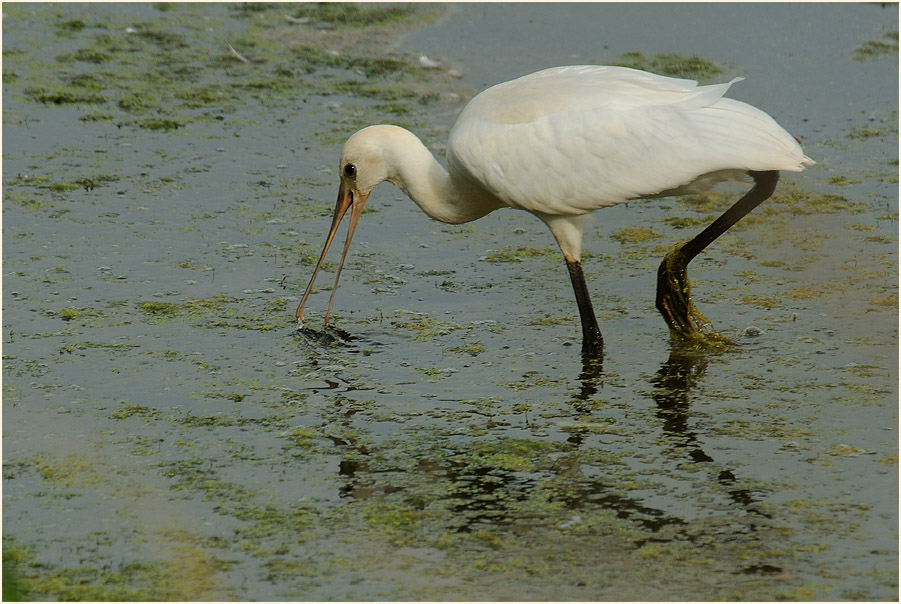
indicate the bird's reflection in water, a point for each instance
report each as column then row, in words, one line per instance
column 673, row 385
column 672, row 391
column 590, row 382
column 482, row 494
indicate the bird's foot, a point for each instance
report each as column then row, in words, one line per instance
column 685, row 321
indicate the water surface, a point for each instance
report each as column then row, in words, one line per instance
column 167, row 434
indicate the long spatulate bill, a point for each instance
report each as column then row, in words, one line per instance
column 346, row 200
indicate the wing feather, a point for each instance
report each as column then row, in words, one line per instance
column 573, row 139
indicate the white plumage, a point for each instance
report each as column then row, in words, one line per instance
column 570, row 140
column 562, row 142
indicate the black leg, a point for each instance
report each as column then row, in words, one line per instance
column 592, row 342
column 673, row 294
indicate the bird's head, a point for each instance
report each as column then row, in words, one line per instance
column 362, row 167
column 363, row 161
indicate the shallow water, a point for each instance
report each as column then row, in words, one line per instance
column 167, row 434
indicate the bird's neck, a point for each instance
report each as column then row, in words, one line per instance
column 417, row 173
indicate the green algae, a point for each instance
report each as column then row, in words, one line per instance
column 764, row 302
column 427, row 327
column 512, row 455
column 161, row 124
column 473, row 350
column 159, row 308
column 14, row 588
column 188, row 576
column 529, row 511
column 549, row 319
column 842, row 181
column 866, row 132
column 635, row 235
column 708, row 201
column 356, row 15
column 872, row 49
column 518, row 254
column 685, row 222
column 673, row 65
column 62, row 96
column 67, row 314
column 530, row 380
column 69, row 472
column 218, row 311
column 171, row 75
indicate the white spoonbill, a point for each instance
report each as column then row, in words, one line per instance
column 562, row 142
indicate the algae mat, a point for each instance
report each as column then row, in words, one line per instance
column 168, row 176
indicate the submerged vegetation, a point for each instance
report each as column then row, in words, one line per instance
column 872, row 49
column 345, row 14
column 162, row 216
column 677, row 66
column 518, row 254
column 182, row 74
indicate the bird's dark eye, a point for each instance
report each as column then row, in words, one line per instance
column 350, row 170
